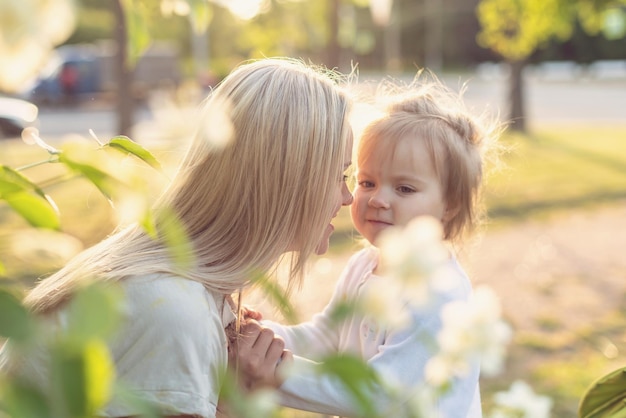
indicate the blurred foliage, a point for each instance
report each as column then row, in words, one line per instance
column 516, row 28
column 605, row 398
column 81, row 379
column 302, row 29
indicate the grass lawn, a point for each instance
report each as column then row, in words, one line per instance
column 558, row 169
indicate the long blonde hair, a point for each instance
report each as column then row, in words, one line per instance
column 245, row 204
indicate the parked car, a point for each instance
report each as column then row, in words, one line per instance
column 70, row 76
column 15, row 115
column 85, row 71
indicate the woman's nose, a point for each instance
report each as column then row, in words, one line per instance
column 346, row 196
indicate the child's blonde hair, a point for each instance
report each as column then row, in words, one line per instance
column 457, row 142
column 245, row 204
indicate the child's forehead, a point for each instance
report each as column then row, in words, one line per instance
column 407, row 147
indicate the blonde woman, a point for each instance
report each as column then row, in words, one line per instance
column 273, row 189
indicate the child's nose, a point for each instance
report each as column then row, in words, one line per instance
column 378, row 200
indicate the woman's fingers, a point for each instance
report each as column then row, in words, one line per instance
column 259, row 352
column 249, row 313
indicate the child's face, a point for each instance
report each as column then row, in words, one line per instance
column 395, row 186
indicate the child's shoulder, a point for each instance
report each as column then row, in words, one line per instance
column 366, row 258
column 360, row 265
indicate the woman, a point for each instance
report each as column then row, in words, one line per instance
column 274, row 188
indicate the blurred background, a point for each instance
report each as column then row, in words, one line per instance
column 555, row 70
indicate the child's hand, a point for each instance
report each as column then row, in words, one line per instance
column 261, row 356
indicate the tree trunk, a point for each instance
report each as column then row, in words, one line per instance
column 517, row 113
column 333, row 49
column 433, row 41
column 124, row 75
column 392, row 39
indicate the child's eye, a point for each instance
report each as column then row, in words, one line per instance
column 366, row 184
column 406, row 189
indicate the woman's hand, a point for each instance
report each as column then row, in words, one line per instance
column 258, row 356
column 249, row 313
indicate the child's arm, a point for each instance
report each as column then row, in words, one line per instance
column 401, row 359
column 321, row 335
column 313, row 339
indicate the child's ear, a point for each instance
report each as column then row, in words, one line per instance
column 450, row 212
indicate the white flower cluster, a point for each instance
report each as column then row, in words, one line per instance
column 471, row 330
column 29, row 30
column 520, row 401
column 413, row 255
column 411, row 260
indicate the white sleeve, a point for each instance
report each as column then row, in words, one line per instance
column 172, row 350
column 314, row 339
column 320, row 336
column 401, row 360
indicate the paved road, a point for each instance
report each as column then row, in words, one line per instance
column 549, row 101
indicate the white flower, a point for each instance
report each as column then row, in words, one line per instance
column 217, row 127
column 261, row 403
column 413, row 255
column 381, row 300
column 521, row 401
column 411, row 260
column 29, row 30
column 472, row 331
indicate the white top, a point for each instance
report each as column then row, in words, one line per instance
column 396, row 354
column 171, row 349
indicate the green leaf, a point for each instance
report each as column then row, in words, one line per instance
column 104, row 182
column 174, row 235
column 27, row 199
column 125, row 144
column 22, row 400
column 606, row 398
column 278, row 296
column 12, row 181
column 82, row 378
column 95, row 312
column 358, row 378
column 137, row 30
column 36, row 211
column 15, row 321
column 148, row 224
column 200, row 16
column 100, row 375
column 343, row 310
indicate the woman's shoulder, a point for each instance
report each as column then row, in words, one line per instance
column 168, row 297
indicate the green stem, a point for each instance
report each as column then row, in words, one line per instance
column 53, row 159
column 55, row 181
